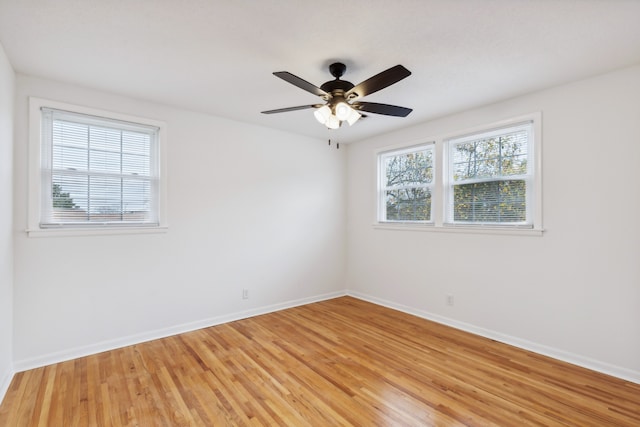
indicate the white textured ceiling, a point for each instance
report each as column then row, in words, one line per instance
column 217, row 56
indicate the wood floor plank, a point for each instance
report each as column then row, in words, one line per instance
column 342, row 362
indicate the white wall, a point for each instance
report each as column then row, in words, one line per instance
column 249, row 207
column 264, row 210
column 573, row 293
column 7, row 78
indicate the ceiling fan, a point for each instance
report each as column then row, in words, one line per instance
column 340, row 96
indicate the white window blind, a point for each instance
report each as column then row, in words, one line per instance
column 97, row 171
column 406, row 182
column 490, row 177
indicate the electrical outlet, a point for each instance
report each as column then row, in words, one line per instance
column 245, row 294
column 449, row 299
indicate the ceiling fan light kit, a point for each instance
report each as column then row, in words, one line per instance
column 341, row 96
column 333, row 119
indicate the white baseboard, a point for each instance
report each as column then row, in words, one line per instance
column 565, row 356
column 5, row 382
column 48, row 359
column 74, row 353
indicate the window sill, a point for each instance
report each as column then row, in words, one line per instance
column 512, row 231
column 70, row 232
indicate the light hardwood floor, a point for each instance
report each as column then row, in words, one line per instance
column 340, row 362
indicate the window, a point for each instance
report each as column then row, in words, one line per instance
column 405, row 187
column 95, row 169
column 488, row 178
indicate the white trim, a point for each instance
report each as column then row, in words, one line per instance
column 73, row 353
column 562, row 355
column 471, row 229
column 93, row 231
column 5, row 382
column 34, row 176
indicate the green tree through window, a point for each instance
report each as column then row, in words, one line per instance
column 61, row 199
column 407, row 185
column 489, row 176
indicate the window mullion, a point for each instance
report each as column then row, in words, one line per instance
column 121, row 179
column 89, row 198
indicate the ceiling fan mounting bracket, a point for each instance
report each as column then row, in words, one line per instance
column 337, row 69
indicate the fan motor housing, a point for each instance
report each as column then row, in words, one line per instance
column 336, row 85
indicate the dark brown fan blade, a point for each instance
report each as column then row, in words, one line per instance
column 386, row 109
column 302, row 84
column 284, row 110
column 379, row 81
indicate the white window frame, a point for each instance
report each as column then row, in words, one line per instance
column 382, row 187
column 38, row 180
column 527, row 176
column 441, row 193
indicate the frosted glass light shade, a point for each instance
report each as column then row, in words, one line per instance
column 353, row 117
column 322, row 114
column 333, row 122
column 343, row 110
